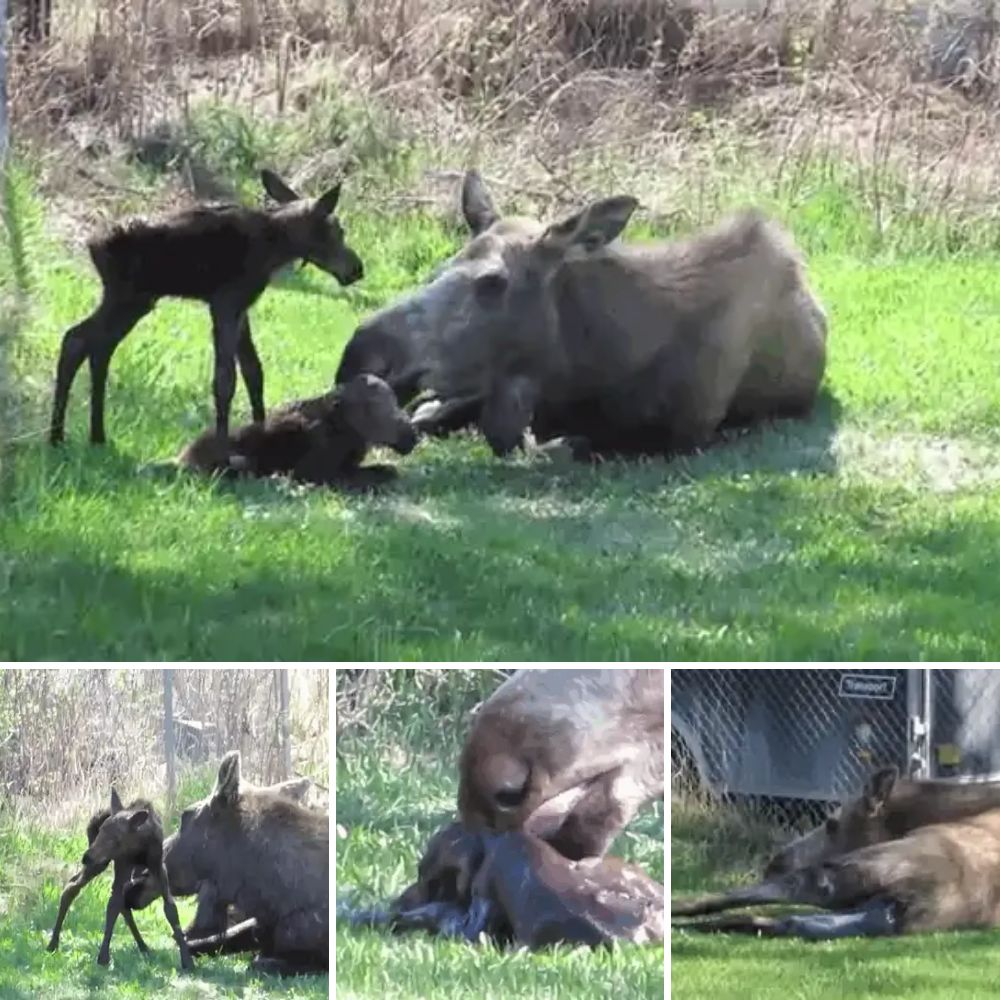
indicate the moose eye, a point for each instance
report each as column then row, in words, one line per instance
column 491, row 285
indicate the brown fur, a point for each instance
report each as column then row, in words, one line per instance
column 322, row 440
column 266, row 855
column 222, row 255
column 635, row 348
column 569, row 755
column 945, row 876
column 132, row 839
column 517, row 889
column 886, row 809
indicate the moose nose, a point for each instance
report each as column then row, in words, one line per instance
column 353, row 270
column 406, row 440
column 85, row 860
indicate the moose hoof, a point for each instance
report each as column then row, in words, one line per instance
column 104, row 960
column 52, row 945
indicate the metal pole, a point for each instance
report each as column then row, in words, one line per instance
column 168, row 736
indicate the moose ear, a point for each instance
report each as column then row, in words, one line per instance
column 596, row 226
column 227, row 784
column 327, row 202
column 277, row 188
column 137, row 819
column 879, row 788
column 116, row 803
column 477, row 204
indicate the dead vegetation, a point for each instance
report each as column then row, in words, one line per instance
column 691, row 104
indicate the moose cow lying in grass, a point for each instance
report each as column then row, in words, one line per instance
column 903, row 857
column 265, row 854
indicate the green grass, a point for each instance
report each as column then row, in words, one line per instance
column 35, row 864
column 390, row 798
column 929, row 967
column 871, row 530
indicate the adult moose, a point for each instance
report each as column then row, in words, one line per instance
column 566, row 755
column 887, row 808
column 264, row 854
column 939, row 877
column 222, row 255
column 637, row 349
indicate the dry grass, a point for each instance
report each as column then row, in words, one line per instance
column 556, row 99
column 67, row 735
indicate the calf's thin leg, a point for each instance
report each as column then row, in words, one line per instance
column 877, row 918
column 72, row 890
column 107, row 325
column 123, row 316
column 170, row 911
column 116, row 903
column 226, row 327
column 251, row 370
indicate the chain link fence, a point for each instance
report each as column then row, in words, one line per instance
column 780, row 741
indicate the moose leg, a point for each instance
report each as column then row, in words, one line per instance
column 877, row 918
column 226, row 336
column 116, row 903
column 122, row 316
column 781, row 890
column 122, row 875
column 211, row 915
column 170, row 911
column 251, row 370
column 94, row 338
column 72, row 890
column 243, row 936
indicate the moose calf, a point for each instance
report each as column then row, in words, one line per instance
column 222, row 255
column 322, row 440
column 132, row 838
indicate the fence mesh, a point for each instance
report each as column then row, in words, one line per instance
column 771, row 740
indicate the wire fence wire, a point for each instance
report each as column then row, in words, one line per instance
column 779, row 743
column 68, row 735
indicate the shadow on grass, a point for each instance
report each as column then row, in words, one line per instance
column 468, row 556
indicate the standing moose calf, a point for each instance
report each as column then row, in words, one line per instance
column 222, row 255
column 132, row 838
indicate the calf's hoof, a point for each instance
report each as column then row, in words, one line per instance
column 104, row 960
column 53, row 944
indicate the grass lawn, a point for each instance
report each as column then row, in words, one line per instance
column 925, row 967
column 390, row 799
column 35, row 864
column 870, row 531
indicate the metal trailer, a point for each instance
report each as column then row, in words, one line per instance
column 816, row 734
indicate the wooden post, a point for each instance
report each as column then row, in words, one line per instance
column 169, row 750
column 3, row 85
column 284, row 735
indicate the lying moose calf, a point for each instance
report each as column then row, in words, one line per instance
column 322, row 440
column 517, row 889
column 132, row 838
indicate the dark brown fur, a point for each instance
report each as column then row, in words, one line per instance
column 886, row 809
column 635, row 349
column 568, row 755
column 131, row 838
column 322, row 440
column 267, row 856
column 222, row 255
column 517, row 889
